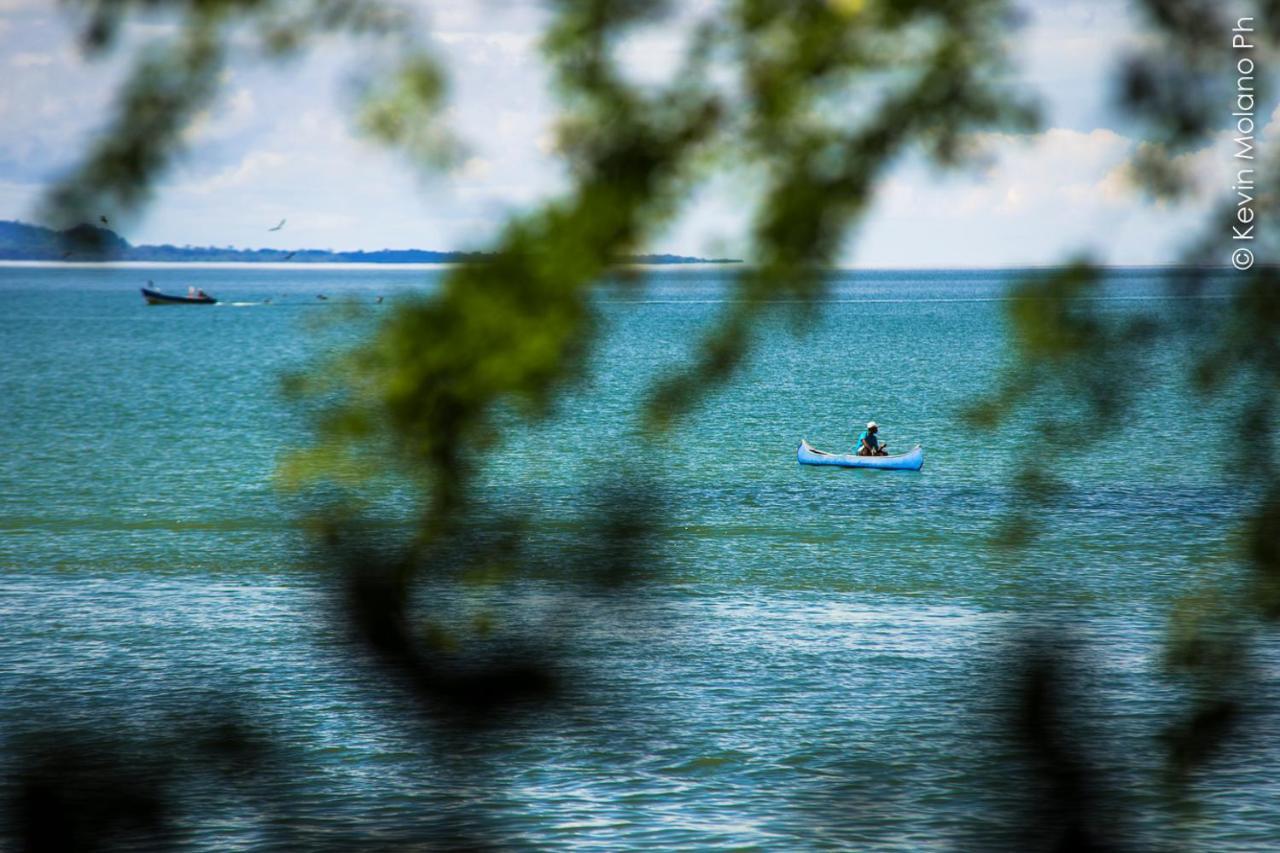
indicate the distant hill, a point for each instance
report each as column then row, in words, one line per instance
column 22, row 242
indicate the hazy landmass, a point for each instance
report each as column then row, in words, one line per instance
column 20, row 241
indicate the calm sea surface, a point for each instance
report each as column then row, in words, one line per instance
column 822, row 659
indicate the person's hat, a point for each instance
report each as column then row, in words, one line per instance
column 873, row 425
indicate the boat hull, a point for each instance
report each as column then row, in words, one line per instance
column 912, row 460
column 155, row 297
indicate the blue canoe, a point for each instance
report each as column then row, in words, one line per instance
column 912, row 460
column 155, row 297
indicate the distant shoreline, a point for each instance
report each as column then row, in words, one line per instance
column 367, row 265
column 90, row 244
column 331, row 265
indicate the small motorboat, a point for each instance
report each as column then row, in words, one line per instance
column 912, row 460
column 155, row 297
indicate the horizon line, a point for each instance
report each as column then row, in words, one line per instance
column 204, row 264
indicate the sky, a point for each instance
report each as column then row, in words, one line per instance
column 281, row 143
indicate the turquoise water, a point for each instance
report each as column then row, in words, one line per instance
column 818, row 661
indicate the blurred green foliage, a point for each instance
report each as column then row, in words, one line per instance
column 1179, row 87
column 820, row 97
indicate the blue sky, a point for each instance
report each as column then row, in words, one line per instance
column 280, row 143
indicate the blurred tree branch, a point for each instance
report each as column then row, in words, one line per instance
column 1179, row 87
column 827, row 95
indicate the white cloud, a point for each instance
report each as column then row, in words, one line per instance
column 253, row 169
column 521, row 45
column 233, row 114
column 651, row 58
column 279, row 143
column 29, row 59
column 475, row 169
column 1041, row 199
column 1024, row 173
column 547, row 143
column 486, row 16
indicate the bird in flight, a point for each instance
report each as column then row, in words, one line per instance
column 278, row 227
column 104, row 220
column 290, row 255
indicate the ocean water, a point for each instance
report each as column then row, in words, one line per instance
column 818, row 659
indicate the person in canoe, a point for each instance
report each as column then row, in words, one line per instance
column 869, row 444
